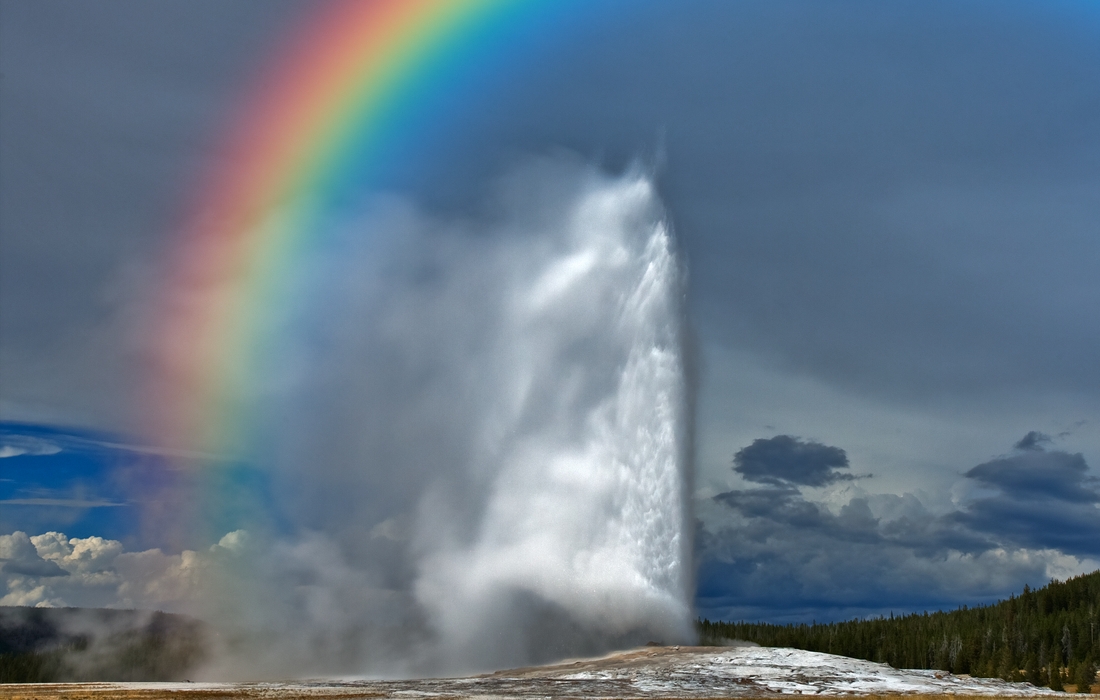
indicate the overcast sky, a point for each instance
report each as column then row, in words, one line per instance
column 890, row 214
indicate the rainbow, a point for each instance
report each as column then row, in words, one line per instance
column 320, row 125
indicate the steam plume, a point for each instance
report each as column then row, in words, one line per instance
column 480, row 440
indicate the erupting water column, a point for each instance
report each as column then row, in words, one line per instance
column 584, row 543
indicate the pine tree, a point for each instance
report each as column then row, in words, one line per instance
column 1034, row 676
column 1055, row 672
column 1006, row 666
column 1085, row 676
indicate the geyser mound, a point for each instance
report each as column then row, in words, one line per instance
column 480, row 439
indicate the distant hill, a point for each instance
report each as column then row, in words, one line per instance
column 39, row 645
column 1048, row 636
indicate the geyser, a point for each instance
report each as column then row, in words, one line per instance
column 479, row 440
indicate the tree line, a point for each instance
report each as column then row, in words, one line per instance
column 46, row 645
column 1048, row 637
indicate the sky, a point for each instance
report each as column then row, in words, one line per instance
column 887, row 213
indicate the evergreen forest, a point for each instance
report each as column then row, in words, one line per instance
column 1048, row 637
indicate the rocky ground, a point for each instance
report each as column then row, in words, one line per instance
column 652, row 672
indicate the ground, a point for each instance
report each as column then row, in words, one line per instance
column 650, row 673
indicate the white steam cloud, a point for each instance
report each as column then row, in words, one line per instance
column 478, row 435
column 486, row 423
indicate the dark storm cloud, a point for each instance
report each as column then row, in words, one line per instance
column 1041, row 523
column 777, row 510
column 787, row 509
column 1044, row 499
column 1034, row 440
column 787, row 459
column 1037, row 474
column 781, row 552
column 777, row 556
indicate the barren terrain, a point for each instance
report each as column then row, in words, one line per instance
column 652, row 672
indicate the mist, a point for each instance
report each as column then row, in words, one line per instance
column 476, row 436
